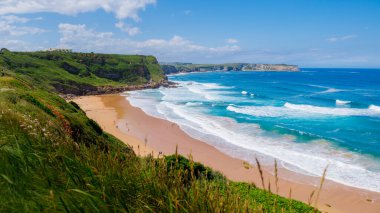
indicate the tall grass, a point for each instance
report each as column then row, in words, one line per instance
column 46, row 167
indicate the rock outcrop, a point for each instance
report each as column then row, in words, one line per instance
column 270, row 67
column 172, row 68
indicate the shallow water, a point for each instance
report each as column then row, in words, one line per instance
column 307, row 120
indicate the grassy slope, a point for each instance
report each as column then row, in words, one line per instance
column 79, row 72
column 54, row 158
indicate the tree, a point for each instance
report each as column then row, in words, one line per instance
column 3, row 50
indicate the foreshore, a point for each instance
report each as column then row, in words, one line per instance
column 147, row 134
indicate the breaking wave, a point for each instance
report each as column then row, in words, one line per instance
column 302, row 110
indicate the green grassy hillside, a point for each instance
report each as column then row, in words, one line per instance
column 53, row 158
column 80, row 73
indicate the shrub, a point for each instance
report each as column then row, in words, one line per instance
column 95, row 126
column 179, row 162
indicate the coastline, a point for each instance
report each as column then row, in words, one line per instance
column 148, row 134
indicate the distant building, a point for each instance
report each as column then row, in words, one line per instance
column 63, row 50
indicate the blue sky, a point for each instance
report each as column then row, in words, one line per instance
column 310, row 33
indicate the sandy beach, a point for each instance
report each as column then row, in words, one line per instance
column 148, row 134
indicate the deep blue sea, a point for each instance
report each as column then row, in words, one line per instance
column 306, row 120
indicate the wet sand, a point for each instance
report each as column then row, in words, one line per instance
column 147, row 134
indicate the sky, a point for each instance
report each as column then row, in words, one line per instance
column 309, row 33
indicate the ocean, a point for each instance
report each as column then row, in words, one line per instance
column 305, row 120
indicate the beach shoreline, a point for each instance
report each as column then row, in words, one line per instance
column 147, row 134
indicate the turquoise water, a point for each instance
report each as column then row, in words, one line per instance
column 306, row 120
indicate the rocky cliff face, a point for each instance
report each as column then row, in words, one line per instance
column 186, row 67
column 270, row 67
column 169, row 69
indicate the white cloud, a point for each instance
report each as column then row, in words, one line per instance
column 80, row 38
column 128, row 29
column 121, row 8
column 333, row 39
column 10, row 26
column 311, row 57
column 341, row 38
column 11, row 42
column 75, row 35
column 187, row 12
column 232, row 41
column 19, row 45
column 14, row 19
column 347, row 37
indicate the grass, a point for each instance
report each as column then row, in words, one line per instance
column 53, row 158
column 175, row 67
column 79, row 73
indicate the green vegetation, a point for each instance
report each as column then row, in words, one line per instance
column 53, row 158
column 81, row 73
column 170, row 68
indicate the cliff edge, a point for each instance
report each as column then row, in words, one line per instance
column 172, row 68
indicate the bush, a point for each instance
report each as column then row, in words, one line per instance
column 189, row 168
column 75, row 105
column 95, row 126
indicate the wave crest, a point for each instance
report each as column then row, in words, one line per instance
column 194, row 104
column 302, row 110
column 341, row 102
column 333, row 111
column 331, row 90
column 374, row 108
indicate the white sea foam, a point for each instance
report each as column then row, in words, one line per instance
column 344, row 166
column 374, row 108
column 318, row 86
column 261, row 111
column 301, row 110
column 194, row 103
column 138, row 99
column 246, row 141
column 216, row 86
column 341, row 102
column 327, row 89
column 200, row 91
column 205, row 85
column 331, row 90
column 333, row 111
column 244, row 92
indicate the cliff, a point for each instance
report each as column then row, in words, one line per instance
column 270, row 67
column 171, row 68
column 55, row 159
column 83, row 73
